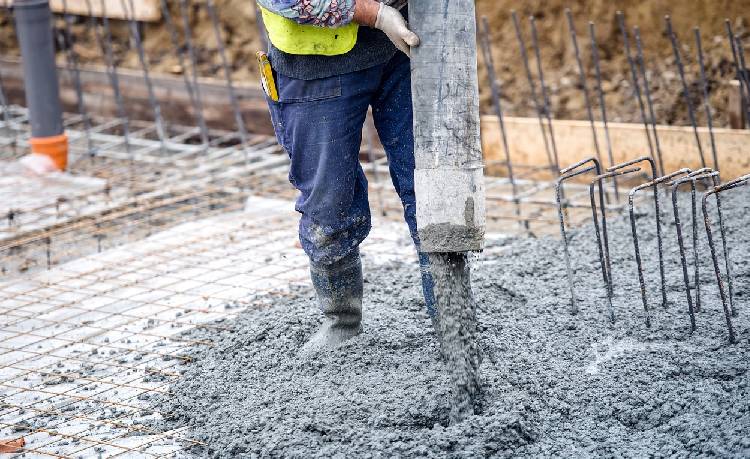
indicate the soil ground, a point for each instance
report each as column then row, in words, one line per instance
column 242, row 41
column 555, row 384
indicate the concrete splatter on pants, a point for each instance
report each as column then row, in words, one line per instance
column 319, row 123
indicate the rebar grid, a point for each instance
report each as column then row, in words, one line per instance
column 144, row 186
column 144, row 190
column 102, row 333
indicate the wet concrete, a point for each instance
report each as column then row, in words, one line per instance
column 554, row 384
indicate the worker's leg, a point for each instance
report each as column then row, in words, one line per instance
column 319, row 123
column 392, row 113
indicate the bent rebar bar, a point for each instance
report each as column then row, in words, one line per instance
column 566, row 174
column 602, row 237
column 636, row 245
column 726, row 302
column 691, row 178
column 652, row 165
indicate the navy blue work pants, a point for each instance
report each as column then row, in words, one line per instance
column 319, row 123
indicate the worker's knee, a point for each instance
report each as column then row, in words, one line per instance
column 327, row 243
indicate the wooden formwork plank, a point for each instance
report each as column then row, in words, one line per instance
column 736, row 106
column 574, row 142
column 145, row 10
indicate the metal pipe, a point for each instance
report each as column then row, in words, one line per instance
column 448, row 177
column 33, row 26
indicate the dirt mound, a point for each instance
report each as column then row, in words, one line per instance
column 561, row 71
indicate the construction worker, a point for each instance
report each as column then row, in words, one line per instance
column 330, row 61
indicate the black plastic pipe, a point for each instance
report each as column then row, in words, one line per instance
column 33, row 26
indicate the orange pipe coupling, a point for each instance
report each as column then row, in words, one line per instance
column 54, row 147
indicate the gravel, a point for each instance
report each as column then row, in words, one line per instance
column 554, row 384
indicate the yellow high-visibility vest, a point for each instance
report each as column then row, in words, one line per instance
column 293, row 38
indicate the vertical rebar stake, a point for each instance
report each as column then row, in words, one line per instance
column 374, row 163
column 602, row 237
column 583, row 83
column 655, row 181
column 602, row 102
column 545, row 95
column 647, row 92
column 228, row 75
column 192, row 57
column 743, row 68
column 495, row 88
column 532, row 88
column 681, row 245
column 634, row 80
column 742, row 78
column 71, row 59
column 114, row 79
column 6, row 116
column 183, row 70
column 706, row 96
column 566, row 174
column 136, row 35
column 631, row 197
column 685, row 90
column 729, row 310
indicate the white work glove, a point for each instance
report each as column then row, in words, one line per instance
column 394, row 25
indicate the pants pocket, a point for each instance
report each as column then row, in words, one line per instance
column 292, row 90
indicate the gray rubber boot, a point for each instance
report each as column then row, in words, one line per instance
column 339, row 290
